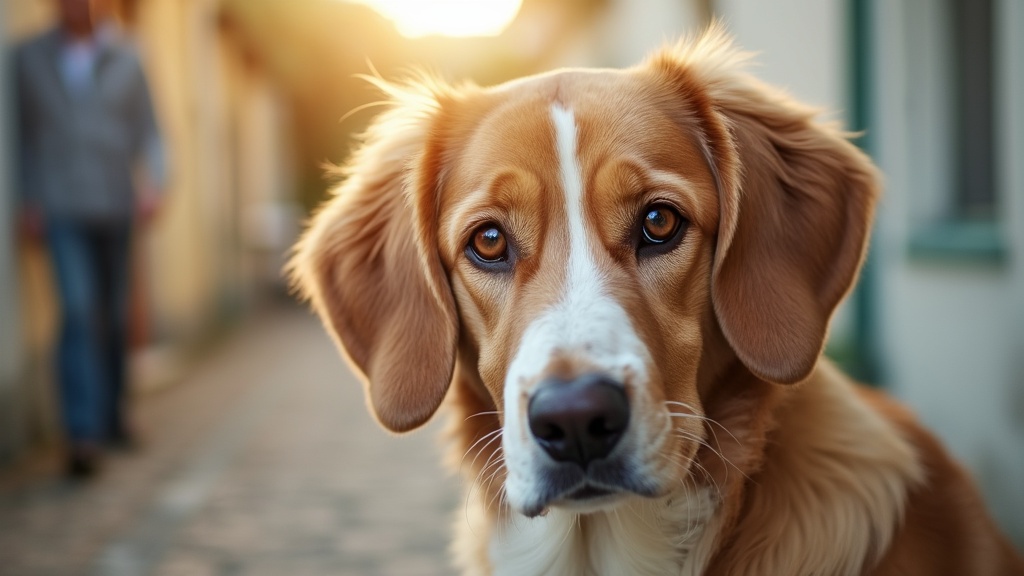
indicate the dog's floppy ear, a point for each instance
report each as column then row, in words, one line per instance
column 796, row 204
column 369, row 264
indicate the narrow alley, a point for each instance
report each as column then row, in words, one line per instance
column 262, row 461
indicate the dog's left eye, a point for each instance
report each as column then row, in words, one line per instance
column 661, row 226
column 488, row 245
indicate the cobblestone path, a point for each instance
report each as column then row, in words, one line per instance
column 263, row 461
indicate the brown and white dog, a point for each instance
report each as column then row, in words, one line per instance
column 622, row 281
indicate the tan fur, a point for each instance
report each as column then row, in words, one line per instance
column 767, row 460
column 831, row 488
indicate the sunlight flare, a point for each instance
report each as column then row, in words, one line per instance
column 460, row 18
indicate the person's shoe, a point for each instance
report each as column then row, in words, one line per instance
column 83, row 460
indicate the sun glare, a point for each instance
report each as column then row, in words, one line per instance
column 416, row 18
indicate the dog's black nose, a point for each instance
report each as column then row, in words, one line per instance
column 580, row 420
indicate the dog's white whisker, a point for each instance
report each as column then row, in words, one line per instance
column 489, row 481
column 697, row 414
column 683, row 434
column 494, row 434
column 716, row 451
column 694, row 413
column 485, row 413
column 498, row 460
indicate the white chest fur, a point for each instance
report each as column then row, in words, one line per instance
column 640, row 537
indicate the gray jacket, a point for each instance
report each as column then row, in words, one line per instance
column 79, row 152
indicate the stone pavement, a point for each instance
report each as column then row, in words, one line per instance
column 263, row 461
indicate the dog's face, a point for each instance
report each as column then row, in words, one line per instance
column 577, row 243
column 578, row 254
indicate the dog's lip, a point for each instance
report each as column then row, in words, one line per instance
column 601, row 485
column 583, row 494
column 589, row 496
column 588, row 492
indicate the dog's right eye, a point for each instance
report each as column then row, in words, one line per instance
column 660, row 229
column 488, row 245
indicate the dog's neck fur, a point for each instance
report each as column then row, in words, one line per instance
column 819, row 477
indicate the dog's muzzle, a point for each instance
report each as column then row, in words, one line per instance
column 584, row 454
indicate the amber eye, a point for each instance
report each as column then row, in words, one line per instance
column 660, row 224
column 488, row 244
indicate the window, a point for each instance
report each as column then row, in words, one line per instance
column 953, row 119
column 975, row 194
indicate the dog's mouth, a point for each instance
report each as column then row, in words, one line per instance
column 585, row 493
column 583, row 499
column 588, row 492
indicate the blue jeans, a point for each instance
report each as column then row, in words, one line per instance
column 91, row 264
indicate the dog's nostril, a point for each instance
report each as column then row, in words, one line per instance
column 549, row 432
column 601, row 427
column 580, row 420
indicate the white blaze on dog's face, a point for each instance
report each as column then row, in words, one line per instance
column 576, row 216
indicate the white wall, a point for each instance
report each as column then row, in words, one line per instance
column 630, row 30
column 1009, row 496
column 800, row 45
column 625, row 33
column 952, row 333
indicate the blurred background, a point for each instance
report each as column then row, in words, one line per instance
column 249, row 424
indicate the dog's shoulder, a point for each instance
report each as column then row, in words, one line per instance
column 945, row 528
column 852, row 483
column 832, row 491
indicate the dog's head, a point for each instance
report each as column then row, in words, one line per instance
column 577, row 243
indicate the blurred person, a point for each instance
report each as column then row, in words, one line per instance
column 91, row 171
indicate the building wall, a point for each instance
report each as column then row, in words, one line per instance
column 11, row 344
column 626, row 35
column 27, row 316
column 953, row 331
column 800, row 45
column 224, row 131
column 620, row 35
column 184, row 253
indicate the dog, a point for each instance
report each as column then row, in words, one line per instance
column 620, row 282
